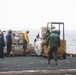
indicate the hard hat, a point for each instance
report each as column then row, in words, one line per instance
column 10, row 31
column 0, row 33
column 53, row 27
column 54, row 30
column 27, row 31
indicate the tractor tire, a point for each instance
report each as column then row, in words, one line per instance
column 64, row 56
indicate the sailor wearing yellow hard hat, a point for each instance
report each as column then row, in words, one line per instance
column 25, row 40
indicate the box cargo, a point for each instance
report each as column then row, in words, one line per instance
column 17, row 49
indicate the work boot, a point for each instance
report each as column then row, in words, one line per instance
column 48, row 61
column 55, row 62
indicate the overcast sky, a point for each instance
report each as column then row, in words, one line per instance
column 32, row 14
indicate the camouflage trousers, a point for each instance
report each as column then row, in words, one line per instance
column 53, row 53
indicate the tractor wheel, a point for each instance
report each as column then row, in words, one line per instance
column 64, row 56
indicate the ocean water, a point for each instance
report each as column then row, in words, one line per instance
column 70, row 36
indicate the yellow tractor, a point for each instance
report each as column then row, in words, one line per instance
column 62, row 49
